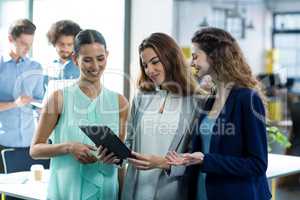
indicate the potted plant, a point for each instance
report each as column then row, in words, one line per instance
column 277, row 140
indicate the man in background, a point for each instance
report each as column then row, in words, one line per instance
column 21, row 82
column 61, row 35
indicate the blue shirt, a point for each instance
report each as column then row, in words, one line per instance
column 17, row 125
column 67, row 70
column 206, row 131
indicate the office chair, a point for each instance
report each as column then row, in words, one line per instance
column 18, row 159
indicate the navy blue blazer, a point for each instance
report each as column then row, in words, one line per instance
column 237, row 161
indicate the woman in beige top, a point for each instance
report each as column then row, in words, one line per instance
column 161, row 119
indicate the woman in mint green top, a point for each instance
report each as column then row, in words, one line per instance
column 75, row 170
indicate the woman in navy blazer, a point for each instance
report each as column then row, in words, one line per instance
column 230, row 158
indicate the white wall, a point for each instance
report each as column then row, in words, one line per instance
column 148, row 16
column 7, row 17
column 87, row 15
column 190, row 15
column 257, row 41
column 254, row 45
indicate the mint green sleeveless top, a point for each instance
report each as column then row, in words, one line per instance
column 69, row 179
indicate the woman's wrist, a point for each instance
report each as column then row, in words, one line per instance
column 164, row 165
column 202, row 160
column 69, row 148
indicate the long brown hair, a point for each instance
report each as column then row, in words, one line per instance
column 179, row 79
column 226, row 58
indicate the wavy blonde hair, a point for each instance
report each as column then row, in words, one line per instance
column 226, row 58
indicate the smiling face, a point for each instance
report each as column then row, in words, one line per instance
column 22, row 44
column 91, row 60
column 200, row 62
column 153, row 67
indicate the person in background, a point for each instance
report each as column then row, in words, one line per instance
column 61, row 35
column 21, row 81
column 162, row 117
column 230, row 156
column 75, row 172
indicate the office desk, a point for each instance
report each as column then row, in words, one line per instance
column 282, row 165
column 279, row 165
column 21, row 185
column 33, row 191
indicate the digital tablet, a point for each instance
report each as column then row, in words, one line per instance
column 104, row 136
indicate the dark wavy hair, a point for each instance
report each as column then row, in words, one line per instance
column 176, row 69
column 62, row 27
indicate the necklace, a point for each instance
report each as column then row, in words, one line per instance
column 162, row 106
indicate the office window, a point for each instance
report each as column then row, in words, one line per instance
column 286, row 38
column 104, row 16
column 287, row 21
column 288, row 45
